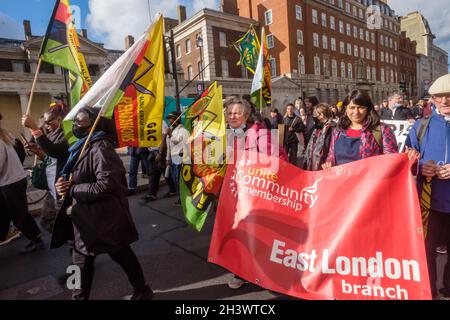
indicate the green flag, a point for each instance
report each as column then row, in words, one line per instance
column 248, row 48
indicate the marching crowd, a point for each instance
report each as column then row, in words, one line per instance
column 87, row 206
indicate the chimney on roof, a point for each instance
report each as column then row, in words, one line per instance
column 181, row 14
column 229, row 6
column 27, row 29
column 129, row 41
column 84, row 33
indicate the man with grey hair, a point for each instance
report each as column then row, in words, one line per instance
column 396, row 109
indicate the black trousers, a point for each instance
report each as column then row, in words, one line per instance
column 14, row 208
column 438, row 234
column 124, row 257
column 291, row 150
column 154, row 175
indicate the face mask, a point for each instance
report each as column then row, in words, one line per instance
column 239, row 131
column 80, row 132
column 397, row 105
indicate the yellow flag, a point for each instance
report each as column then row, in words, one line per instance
column 139, row 114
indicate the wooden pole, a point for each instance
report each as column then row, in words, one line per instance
column 33, row 86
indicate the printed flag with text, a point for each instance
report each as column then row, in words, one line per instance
column 203, row 168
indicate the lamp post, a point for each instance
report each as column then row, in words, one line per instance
column 200, row 46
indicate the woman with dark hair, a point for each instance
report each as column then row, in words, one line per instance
column 359, row 133
column 319, row 144
column 310, row 104
column 96, row 213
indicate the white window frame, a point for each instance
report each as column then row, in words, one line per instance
column 333, row 44
column 316, row 40
column 315, row 19
column 349, row 49
column 324, row 42
column 334, row 68
column 273, row 67
column 342, row 47
column 270, row 41
column 355, row 51
column 332, row 23
column 188, row 44
column 298, row 12
column 350, row 70
column 317, row 68
column 299, row 37
column 341, row 27
column 222, row 39
column 324, row 19
column 225, row 66
column 343, row 70
column 268, row 16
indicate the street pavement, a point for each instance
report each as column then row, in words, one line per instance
column 172, row 254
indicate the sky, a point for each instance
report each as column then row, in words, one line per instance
column 110, row 21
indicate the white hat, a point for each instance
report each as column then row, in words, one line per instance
column 441, row 85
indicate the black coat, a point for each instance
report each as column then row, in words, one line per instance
column 100, row 212
column 297, row 126
column 55, row 145
column 402, row 113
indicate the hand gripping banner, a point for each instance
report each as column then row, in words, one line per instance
column 347, row 233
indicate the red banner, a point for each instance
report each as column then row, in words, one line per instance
column 351, row 232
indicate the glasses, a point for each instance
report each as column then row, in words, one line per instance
column 441, row 97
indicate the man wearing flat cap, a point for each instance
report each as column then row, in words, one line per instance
column 431, row 137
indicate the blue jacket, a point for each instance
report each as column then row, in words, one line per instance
column 435, row 146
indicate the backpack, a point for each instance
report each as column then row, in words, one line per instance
column 424, row 122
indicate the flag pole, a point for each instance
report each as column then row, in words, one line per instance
column 68, row 98
column 36, row 75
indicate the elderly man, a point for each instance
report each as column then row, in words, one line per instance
column 396, row 110
column 431, row 137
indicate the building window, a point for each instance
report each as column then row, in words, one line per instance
column 382, row 56
column 367, row 53
column 395, row 60
column 314, row 16
column 372, row 37
column 273, row 67
column 361, row 14
column 347, row 7
column 342, row 69
column 355, row 12
column 341, row 26
column 381, row 40
column 369, row 76
column 361, row 52
column 392, row 59
column 324, row 42
column 349, row 49
column 332, row 23
column 270, row 41
column 268, row 17
column 324, row 20
column 19, row 66
column 349, row 30
column 334, row 68
column 223, row 39
column 178, row 47
column 382, row 75
column 390, row 43
column 190, row 73
column 225, row 72
column 367, row 36
column 355, row 50
column 326, row 63
column 333, row 44
column 299, row 37
column 317, row 66
column 373, row 55
column 350, row 70
column 355, row 32
column 342, row 47
column 244, row 72
column 301, row 63
column 315, row 40
column 188, row 46
column 298, row 12
column 340, row 4
column 395, row 46
column 374, row 74
column 361, row 34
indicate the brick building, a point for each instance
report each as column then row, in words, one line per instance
column 408, row 66
column 328, row 46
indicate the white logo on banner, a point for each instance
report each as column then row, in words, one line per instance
column 401, row 130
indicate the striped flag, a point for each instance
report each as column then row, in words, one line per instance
column 61, row 47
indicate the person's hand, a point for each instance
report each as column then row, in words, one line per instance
column 429, row 169
column 326, row 165
column 28, row 122
column 62, row 186
column 443, row 172
column 32, row 147
column 412, row 153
